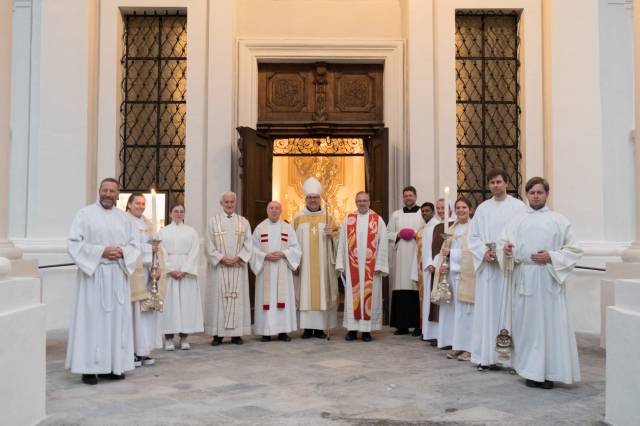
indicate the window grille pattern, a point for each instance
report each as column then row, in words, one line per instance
column 153, row 129
column 487, row 101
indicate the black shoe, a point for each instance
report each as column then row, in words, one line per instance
column 216, row 340
column 266, row 338
column 319, row 334
column 112, row 376
column 366, row 337
column 446, row 348
column 433, row 342
column 237, row 340
column 548, row 384
column 89, row 379
column 351, row 335
column 533, row 384
column 401, row 332
column 307, row 333
column 417, row 332
column 284, row 337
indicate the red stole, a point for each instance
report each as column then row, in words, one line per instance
column 370, row 262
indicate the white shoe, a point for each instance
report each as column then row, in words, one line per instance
column 184, row 345
column 168, row 345
column 147, row 360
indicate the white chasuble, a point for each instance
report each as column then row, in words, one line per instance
column 403, row 252
column 147, row 334
column 488, row 222
column 544, row 343
column 370, row 243
column 101, row 336
column 228, row 308
column 421, row 265
column 316, row 281
column 182, row 303
column 455, row 321
column 275, row 303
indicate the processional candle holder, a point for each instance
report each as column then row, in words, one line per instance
column 153, row 302
column 442, row 291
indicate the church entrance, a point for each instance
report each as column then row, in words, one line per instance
column 316, row 119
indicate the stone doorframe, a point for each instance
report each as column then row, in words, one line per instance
column 391, row 53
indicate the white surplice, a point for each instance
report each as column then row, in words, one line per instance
column 488, row 222
column 275, row 320
column 227, row 307
column 429, row 328
column 455, row 321
column 147, row 334
column 305, row 223
column 182, row 303
column 544, row 343
column 381, row 268
column 402, row 253
column 101, row 335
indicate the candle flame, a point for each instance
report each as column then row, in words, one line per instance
column 153, row 191
column 446, row 190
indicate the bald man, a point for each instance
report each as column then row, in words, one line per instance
column 276, row 254
column 229, row 248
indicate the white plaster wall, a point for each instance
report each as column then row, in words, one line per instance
column 22, row 357
column 616, row 86
column 319, row 19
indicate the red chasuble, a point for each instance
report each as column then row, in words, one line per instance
column 370, row 262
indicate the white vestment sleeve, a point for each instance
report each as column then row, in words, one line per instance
column 146, row 253
column 382, row 257
column 192, row 263
column 564, row 260
column 293, row 252
column 257, row 259
column 213, row 254
column 342, row 246
column 247, row 243
column 85, row 255
column 131, row 251
column 392, row 229
column 477, row 245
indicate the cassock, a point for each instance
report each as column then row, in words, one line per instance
column 405, row 299
column 544, row 343
column 488, row 222
column 455, row 319
column 317, row 280
column 424, row 259
column 362, row 257
column 147, row 334
column 182, row 304
column 101, row 336
column 228, row 308
column 275, row 303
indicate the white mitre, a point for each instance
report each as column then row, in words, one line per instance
column 312, row 186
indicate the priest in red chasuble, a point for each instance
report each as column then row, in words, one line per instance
column 362, row 258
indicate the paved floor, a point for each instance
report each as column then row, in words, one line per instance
column 394, row 380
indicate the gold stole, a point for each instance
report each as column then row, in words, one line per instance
column 282, row 270
column 314, row 271
column 467, row 284
column 370, row 263
column 139, row 290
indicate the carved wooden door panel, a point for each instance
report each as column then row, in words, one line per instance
column 256, row 164
column 377, row 172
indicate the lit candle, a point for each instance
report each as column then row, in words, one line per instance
column 446, row 209
column 154, row 215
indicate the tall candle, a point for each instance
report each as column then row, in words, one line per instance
column 446, row 209
column 154, row 215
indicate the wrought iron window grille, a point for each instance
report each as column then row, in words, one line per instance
column 153, row 108
column 487, row 101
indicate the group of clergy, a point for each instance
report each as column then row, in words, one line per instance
column 463, row 285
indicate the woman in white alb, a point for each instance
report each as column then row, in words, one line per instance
column 456, row 318
column 182, row 305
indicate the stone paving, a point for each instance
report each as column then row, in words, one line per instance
column 394, row 380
